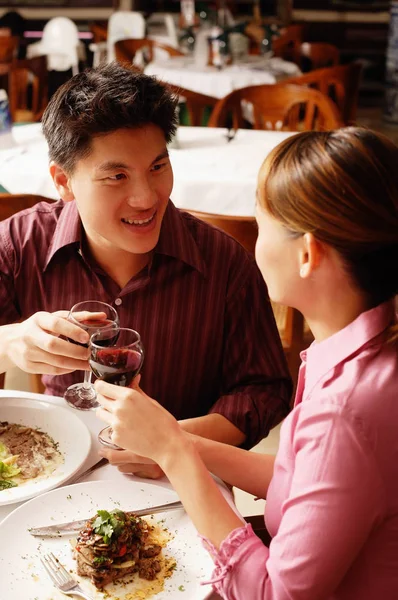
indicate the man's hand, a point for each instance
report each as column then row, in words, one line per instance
column 35, row 345
column 134, row 464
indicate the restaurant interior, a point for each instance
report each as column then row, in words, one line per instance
column 247, row 73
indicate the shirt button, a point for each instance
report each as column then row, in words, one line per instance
column 118, row 301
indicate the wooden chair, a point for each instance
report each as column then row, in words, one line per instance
column 284, row 107
column 9, row 205
column 288, row 44
column 317, row 55
column 8, row 51
column 197, row 104
column 340, row 83
column 125, row 50
column 28, row 89
column 289, row 321
column 100, row 32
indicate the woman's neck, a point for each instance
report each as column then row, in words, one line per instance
column 333, row 312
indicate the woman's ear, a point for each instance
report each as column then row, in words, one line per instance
column 62, row 182
column 310, row 255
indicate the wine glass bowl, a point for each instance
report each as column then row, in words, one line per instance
column 92, row 316
column 116, row 359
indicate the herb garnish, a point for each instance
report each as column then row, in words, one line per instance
column 108, row 524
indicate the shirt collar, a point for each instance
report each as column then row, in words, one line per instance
column 68, row 231
column 175, row 240
column 322, row 357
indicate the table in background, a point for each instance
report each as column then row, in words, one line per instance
column 210, row 173
column 255, row 70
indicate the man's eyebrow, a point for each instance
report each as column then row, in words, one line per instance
column 164, row 154
column 111, row 166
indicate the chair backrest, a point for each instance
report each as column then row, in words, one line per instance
column 8, row 48
column 287, row 45
column 197, row 104
column 24, row 74
column 60, row 33
column 171, row 30
column 317, row 55
column 242, row 229
column 9, row 205
column 123, row 25
column 100, row 32
column 60, row 43
column 282, row 107
column 289, row 321
column 126, row 50
column 340, row 83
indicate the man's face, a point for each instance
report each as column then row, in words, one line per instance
column 122, row 189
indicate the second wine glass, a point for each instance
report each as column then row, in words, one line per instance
column 116, row 360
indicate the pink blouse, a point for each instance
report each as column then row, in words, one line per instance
column 332, row 505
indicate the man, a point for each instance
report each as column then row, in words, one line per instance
column 212, row 352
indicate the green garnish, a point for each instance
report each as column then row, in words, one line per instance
column 8, row 470
column 181, row 588
column 5, row 485
column 108, row 524
column 100, row 560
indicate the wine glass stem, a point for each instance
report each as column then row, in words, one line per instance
column 87, row 380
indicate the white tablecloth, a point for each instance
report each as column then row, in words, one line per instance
column 94, row 425
column 210, row 174
column 182, row 71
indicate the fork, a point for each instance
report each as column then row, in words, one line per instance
column 61, row 578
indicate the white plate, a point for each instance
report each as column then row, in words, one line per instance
column 63, row 425
column 23, row 576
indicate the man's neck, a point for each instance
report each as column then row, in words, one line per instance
column 119, row 265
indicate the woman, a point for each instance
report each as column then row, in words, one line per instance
column 327, row 210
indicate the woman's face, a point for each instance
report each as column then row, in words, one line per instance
column 278, row 255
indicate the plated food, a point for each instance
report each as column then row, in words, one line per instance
column 70, row 437
column 115, row 544
column 26, row 454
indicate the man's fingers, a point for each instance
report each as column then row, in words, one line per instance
column 61, row 326
column 42, row 355
column 57, row 347
column 124, row 457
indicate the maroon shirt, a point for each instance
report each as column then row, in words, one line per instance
column 201, row 307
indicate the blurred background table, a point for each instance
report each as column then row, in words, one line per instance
column 210, row 173
column 255, row 70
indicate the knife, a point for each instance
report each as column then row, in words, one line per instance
column 76, row 478
column 73, row 527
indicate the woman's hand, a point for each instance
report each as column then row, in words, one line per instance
column 139, row 424
column 133, row 464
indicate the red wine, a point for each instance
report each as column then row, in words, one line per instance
column 116, row 365
column 92, row 326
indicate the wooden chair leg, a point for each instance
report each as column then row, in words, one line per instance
column 2, row 380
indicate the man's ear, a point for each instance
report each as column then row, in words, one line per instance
column 310, row 255
column 62, row 182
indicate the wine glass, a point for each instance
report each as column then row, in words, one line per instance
column 115, row 359
column 82, row 395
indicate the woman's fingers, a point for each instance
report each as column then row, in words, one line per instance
column 104, row 415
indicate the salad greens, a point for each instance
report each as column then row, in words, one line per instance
column 8, row 468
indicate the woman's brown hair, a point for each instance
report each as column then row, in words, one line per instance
column 342, row 186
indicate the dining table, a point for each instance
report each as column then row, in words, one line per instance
column 108, row 472
column 215, row 170
column 185, row 72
